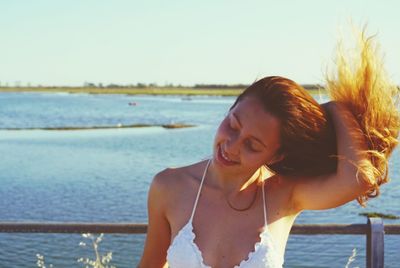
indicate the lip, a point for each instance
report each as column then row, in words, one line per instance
column 222, row 160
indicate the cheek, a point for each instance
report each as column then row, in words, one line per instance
column 258, row 159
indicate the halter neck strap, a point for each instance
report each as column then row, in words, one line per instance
column 265, row 209
column 198, row 192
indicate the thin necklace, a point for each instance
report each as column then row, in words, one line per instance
column 246, row 208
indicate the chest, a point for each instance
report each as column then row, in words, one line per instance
column 224, row 237
column 226, row 240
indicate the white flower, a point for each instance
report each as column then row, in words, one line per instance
column 99, row 238
column 88, row 235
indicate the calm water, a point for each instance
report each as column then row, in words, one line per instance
column 103, row 176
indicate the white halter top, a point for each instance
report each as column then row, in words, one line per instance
column 184, row 253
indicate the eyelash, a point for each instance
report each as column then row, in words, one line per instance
column 248, row 144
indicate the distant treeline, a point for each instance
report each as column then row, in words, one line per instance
column 90, row 85
column 154, row 85
column 196, row 86
column 220, row 86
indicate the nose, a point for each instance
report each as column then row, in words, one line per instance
column 232, row 146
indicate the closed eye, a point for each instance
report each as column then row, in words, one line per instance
column 252, row 142
column 252, row 146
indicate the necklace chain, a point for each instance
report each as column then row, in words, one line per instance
column 246, row 208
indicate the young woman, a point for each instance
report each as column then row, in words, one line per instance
column 277, row 153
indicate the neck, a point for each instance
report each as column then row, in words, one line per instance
column 233, row 183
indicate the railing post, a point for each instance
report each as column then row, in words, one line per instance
column 375, row 243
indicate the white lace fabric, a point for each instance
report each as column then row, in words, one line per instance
column 184, row 253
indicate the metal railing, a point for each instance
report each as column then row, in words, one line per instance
column 374, row 229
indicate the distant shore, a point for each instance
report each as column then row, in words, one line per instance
column 167, row 126
column 188, row 91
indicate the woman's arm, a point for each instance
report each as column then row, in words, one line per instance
column 346, row 184
column 158, row 232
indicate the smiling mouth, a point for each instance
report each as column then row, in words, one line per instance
column 222, row 157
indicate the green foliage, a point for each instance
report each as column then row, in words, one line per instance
column 380, row 215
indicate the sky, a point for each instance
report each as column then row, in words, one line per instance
column 70, row 42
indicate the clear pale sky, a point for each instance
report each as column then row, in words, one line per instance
column 68, row 42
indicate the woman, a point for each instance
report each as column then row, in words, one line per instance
column 277, row 153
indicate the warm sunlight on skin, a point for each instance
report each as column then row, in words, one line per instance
column 323, row 162
column 246, row 139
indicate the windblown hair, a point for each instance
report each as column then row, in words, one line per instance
column 361, row 84
column 307, row 135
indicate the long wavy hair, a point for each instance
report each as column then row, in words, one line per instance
column 361, row 83
column 307, row 135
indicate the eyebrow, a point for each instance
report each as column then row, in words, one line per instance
column 240, row 124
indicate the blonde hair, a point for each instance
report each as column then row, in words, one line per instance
column 361, row 83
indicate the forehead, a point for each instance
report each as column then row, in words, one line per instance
column 256, row 121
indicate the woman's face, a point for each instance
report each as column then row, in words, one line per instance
column 247, row 138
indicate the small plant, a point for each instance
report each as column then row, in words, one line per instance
column 40, row 261
column 101, row 261
column 352, row 258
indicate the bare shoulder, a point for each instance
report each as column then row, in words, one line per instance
column 163, row 200
column 281, row 189
column 166, row 179
column 170, row 178
column 170, row 182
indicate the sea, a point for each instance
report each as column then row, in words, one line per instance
column 103, row 175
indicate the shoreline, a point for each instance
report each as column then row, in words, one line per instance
column 166, row 126
column 187, row 91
